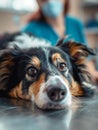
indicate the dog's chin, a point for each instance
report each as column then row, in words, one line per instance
column 52, row 106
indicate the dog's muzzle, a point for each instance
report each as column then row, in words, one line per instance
column 54, row 94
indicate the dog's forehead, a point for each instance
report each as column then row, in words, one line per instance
column 44, row 53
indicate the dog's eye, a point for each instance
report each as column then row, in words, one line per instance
column 31, row 71
column 62, row 66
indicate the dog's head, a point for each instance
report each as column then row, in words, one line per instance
column 49, row 76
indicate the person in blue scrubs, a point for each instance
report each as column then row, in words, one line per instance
column 51, row 23
column 54, row 22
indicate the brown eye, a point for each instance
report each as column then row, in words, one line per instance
column 31, row 71
column 62, row 66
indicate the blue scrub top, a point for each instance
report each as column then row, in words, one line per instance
column 41, row 29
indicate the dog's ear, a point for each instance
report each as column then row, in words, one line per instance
column 77, row 51
column 8, row 61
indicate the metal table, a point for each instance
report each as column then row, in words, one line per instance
column 23, row 115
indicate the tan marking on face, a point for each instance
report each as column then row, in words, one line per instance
column 17, row 93
column 36, row 62
column 35, row 87
column 57, row 57
column 76, row 89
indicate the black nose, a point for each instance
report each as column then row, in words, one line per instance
column 56, row 94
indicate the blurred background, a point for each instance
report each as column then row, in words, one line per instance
column 14, row 15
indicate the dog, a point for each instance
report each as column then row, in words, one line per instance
column 50, row 76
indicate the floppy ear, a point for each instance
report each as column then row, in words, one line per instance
column 77, row 51
column 8, row 62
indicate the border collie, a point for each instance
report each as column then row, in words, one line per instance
column 50, row 76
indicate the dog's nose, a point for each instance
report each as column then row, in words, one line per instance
column 56, row 94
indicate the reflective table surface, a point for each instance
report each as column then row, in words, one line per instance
column 23, row 115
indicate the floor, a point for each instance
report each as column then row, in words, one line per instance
column 23, row 115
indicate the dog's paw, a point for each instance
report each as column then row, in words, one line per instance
column 89, row 89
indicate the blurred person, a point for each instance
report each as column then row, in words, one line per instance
column 52, row 22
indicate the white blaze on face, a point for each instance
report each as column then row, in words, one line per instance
column 42, row 98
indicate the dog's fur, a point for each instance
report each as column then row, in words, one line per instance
column 28, row 70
